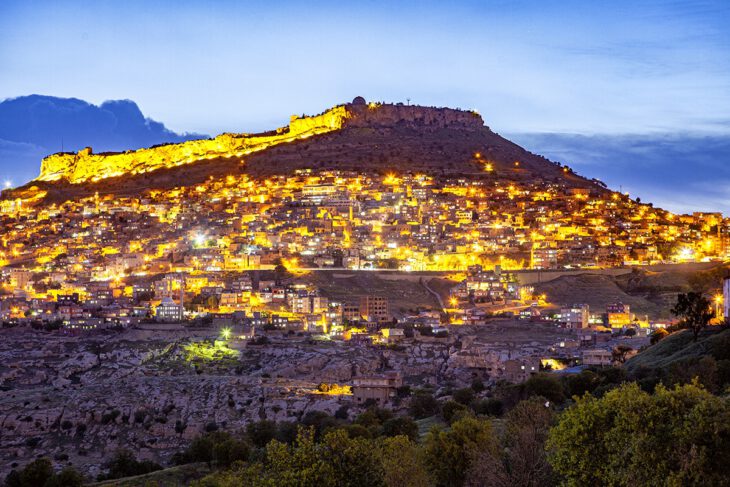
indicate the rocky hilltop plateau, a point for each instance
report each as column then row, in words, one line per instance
column 357, row 136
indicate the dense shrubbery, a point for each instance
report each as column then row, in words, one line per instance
column 124, row 464
column 677, row 437
column 39, row 473
column 465, row 453
column 591, row 428
column 217, row 448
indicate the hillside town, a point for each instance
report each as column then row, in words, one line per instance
column 226, row 247
column 250, row 258
column 221, row 303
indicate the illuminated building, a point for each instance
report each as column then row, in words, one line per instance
column 379, row 389
column 374, row 308
column 169, row 310
column 618, row 315
column 597, row 357
column 574, row 317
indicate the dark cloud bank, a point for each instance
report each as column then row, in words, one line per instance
column 34, row 126
column 680, row 172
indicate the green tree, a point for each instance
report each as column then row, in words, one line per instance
column 522, row 460
column 124, row 464
column 401, row 426
column 68, row 477
column 286, row 431
column 357, row 431
column 703, row 370
column 218, row 448
column 579, row 384
column 620, row 352
column 320, row 421
column 658, row 335
column 695, row 312
column 545, row 385
column 423, row 405
column 36, row 473
column 336, row 461
column 261, row 432
column 355, row 461
column 373, row 418
column 402, row 463
column 675, row 437
column 450, row 409
column 40, row 473
column 448, row 453
column 490, row 407
column 464, row 396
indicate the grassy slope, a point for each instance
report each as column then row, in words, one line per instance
column 679, row 346
column 403, row 294
column 597, row 291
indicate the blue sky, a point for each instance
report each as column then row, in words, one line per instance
column 578, row 67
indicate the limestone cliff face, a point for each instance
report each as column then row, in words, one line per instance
column 85, row 166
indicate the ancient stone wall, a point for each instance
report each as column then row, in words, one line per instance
column 86, row 166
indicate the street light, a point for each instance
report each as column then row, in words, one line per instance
column 226, row 333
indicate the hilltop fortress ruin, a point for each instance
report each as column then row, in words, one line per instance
column 85, row 166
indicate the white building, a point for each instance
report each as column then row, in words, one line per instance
column 169, row 310
column 597, row 356
column 575, row 317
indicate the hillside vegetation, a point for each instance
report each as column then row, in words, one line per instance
column 714, row 342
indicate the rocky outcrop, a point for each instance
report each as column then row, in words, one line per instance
column 85, row 166
column 84, row 397
column 375, row 115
